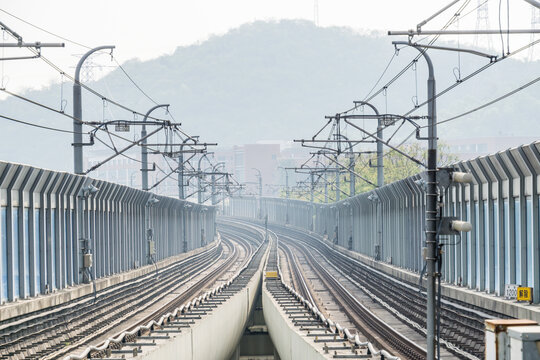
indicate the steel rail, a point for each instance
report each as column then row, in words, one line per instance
column 462, row 330
column 72, row 321
column 138, row 330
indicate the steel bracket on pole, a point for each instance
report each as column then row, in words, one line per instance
column 85, row 144
column 445, row 226
column 153, row 168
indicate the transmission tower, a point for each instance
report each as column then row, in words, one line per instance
column 535, row 24
column 316, row 12
column 87, row 73
column 482, row 23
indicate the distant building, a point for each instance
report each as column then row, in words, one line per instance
column 244, row 159
column 268, row 158
column 240, row 160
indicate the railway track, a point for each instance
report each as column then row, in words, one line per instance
column 303, row 312
column 370, row 326
column 296, row 274
column 54, row 332
column 172, row 318
column 462, row 327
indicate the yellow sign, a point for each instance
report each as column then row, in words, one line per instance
column 524, row 294
column 271, row 275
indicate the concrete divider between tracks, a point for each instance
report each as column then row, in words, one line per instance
column 214, row 336
column 290, row 344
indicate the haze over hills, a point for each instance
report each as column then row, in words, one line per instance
column 277, row 80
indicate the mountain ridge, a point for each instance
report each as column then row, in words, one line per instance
column 272, row 80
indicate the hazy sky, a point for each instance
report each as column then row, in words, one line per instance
column 147, row 29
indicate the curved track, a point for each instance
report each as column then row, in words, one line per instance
column 54, row 332
column 462, row 328
column 370, row 326
column 171, row 318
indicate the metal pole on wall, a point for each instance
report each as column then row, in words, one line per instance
column 144, row 149
column 77, row 112
column 431, row 204
column 260, row 192
column 184, row 224
column 287, row 195
column 181, row 185
column 380, row 165
column 311, row 198
column 325, row 188
column 337, row 180
column 352, row 182
column 181, row 194
column 199, row 180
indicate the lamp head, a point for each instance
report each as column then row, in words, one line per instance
column 152, row 201
column 422, row 184
column 92, row 189
column 88, row 191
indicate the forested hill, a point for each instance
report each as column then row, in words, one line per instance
column 277, row 80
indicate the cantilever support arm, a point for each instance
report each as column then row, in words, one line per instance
column 138, row 142
column 352, row 172
column 387, row 144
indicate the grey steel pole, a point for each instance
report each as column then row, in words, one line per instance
column 223, row 194
column 352, row 182
column 77, row 112
column 260, row 191
column 351, row 227
column 337, row 180
column 286, row 184
column 260, row 195
column 144, row 150
column 213, row 195
column 181, row 194
column 378, row 205
column 147, row 232
column 311, row 199
column 81, row 239
column 311, row 188
column 199, row 188
column 214, row 170
column 351, row 167
column 184, row 224
column 431, row 204
column 325, row 188
column 287, row 195
column 184, row 239
column 380, row 165
column 199, row 182
column 181, row 186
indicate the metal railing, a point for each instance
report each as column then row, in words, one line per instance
column 49, row 220
column 501, row 204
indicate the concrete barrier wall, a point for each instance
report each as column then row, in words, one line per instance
column 48, row 220
column 217, row 334
column 289, row 343
column 387, row 223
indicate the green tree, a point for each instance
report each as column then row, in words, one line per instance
column 396, row 167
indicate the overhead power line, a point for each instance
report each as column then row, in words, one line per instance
column 473, row 74
column 86, row 87
column 36, row 125
column 508, row 94
column 133, row 82
column 44, row 30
